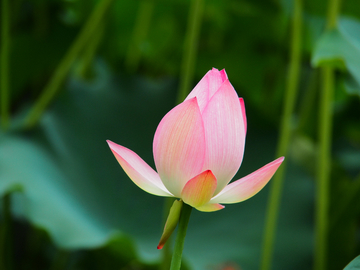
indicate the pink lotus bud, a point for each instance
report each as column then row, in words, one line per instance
column 198, row 148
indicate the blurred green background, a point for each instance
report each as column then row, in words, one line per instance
column 77, row 72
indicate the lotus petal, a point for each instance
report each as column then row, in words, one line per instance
column 207, row 87
column 210, row 207
column 224, row 135
column 249, row 185
column 242, row 105
column 199, row 190
column 138, row 170
column 179, row 146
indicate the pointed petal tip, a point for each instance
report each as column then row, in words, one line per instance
column 215, row 74
column 138, row 170
column 193, row 100
column 223, row 74
column 249, row 185
column 160, row 246
column 112, row 144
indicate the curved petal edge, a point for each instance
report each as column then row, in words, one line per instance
column 138, row 170
column 242, row 105
column 210, row 207
column 249, row 185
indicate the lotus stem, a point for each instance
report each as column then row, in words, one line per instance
column 324, row 162
column 4, row 64
column 190, row 49
column 284, row 138
column 64, row 66
column 140, row 32
column 166, row 250
column 180, row 238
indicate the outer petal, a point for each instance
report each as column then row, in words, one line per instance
column 138, row 170
column 199, row 190
column 207, row 87
column 224, row 135
column 242, row 105
column 210, row 207
column 179, row 146
column 249, row 185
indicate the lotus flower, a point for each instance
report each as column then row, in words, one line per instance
column 198, row 148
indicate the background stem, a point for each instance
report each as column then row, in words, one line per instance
column 284, row 138
column 322, row 192
column 141, row 30
column 324, row 162
column 87, row 59
column 4, row 63
column 63, row 68
column 180, row 238
column 190, row 48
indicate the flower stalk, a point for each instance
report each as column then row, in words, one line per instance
column 180, row 238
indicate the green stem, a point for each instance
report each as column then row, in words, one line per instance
column 323, row 172
column 166, row 251
column 89, row 54
column 190, row 48
column 284, row 137
column 4, row 64
column 141, row 30
column 308, row 101
column 6, row 241
column 180, row 238
column 333, row 12
column 324, row 162
column 63, row 68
